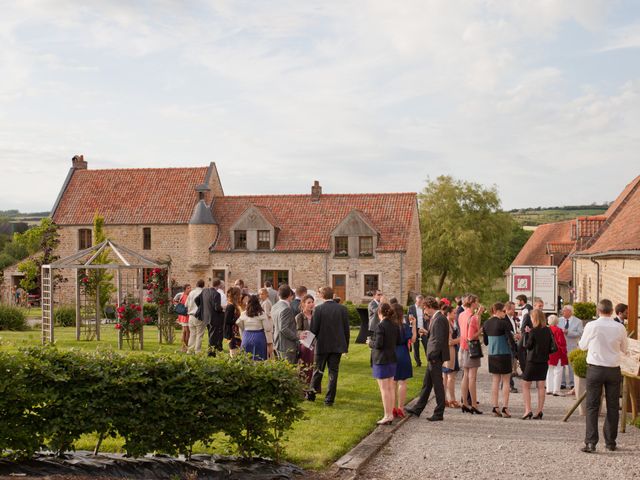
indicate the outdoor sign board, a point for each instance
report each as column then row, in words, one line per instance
column 535, row 281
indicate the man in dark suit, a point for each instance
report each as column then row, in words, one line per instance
column 330, row 325
column 622, row 312
column 416, row 311
column 210, row 304
column 373, row 312
column 437, row 353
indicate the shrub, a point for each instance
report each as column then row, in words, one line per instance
column 12, row 318
column 584, row 310
column 150, row 311
column 354, row 316
column 156, row 403
column 578, row 359
column 64, row 316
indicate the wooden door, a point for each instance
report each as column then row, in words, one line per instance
column 634, row 288
column 339, row 285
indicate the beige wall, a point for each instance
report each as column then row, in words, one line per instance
column 614, row 277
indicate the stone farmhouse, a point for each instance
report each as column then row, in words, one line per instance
column 356, row 243
column 597, row 256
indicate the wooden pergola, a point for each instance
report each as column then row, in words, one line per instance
column 120, row 259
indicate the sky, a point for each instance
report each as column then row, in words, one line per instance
column 539, row 98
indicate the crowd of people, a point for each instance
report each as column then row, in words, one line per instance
column 313, row 333
column 309, row 331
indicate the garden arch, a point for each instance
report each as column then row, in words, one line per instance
column 106, row 256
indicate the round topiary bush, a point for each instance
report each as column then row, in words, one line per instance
column 12, row 318
column 584, row 310
column 64, row 316
column 354, row 316
column 578, row 359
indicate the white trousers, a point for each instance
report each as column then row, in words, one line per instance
column 196, row 332
column 554, row 377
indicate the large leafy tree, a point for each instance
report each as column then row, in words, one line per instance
column 43, row 238
column 466, row 237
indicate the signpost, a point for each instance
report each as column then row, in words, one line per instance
column 535, row 281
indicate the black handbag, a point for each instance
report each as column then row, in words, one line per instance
column 475, row 349
column 180, row 309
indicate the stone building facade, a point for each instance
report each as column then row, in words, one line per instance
column 353, row 242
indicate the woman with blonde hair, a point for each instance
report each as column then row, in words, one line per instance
column 469, row 323
column 538, row 348
column 231, row 315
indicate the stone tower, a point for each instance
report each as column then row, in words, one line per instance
column 203, row 230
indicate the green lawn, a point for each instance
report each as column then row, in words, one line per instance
column 320, row 438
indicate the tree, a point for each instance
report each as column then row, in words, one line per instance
column 465, row 235
column 44, row 238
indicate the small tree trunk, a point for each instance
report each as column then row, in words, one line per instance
column 98, row 444
column 441, row 280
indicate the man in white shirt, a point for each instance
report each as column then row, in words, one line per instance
column 223, row 296
column 196, row 327
column 606, row 341
column 572, row 328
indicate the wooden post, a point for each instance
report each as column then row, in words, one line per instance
column 98, row 311
column 78, row 313
column 141, row 296
column 634, row 285
column 118, row 303
column 575, row 405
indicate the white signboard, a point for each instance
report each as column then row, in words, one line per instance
column 535, row 281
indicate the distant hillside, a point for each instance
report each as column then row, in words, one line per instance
column 539, row 215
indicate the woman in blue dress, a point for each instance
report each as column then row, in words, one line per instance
column 404, row 369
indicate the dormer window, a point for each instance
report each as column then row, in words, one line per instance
column 365, row 246
column 342, row 247
column 240, row 239
column 264, row 239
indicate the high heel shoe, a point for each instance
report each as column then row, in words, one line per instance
column 455, row 404
column 538, row 416
column 401, row 413
column 496, row 412
column 466, row 409
column 476, row 411
column 385, row 421
column 527, row 416
column 505, row 412
column 396, row 413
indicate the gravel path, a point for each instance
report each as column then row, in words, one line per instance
column 485, row 447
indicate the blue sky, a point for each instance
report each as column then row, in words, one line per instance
column 540, row 98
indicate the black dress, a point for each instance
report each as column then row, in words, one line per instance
column 538, row 349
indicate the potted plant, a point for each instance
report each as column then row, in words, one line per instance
column 578, row 359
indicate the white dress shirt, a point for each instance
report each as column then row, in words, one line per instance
column 223, row 298
column 513, row 324
column 419, row 317
column 605, row 340
column 191, row 301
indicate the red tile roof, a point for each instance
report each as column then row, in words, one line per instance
column 130, row 196
column 565, row 271
column 622, row 229
column 534, row 251
column 306, row 225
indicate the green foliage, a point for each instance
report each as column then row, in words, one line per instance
column 466, row 237
column 100, row 281
column 12, row 318
column 64, row 316
column 150, row 311
column 31, row 270
column 354, row 316
column 156, row 403
column 44, row 238
column 584, row 310
column 578, row 359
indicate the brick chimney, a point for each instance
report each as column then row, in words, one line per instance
column 316, row 191
column 78, row 162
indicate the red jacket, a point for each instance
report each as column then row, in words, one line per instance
column 561, row 342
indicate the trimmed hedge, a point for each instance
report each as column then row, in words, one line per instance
column 156, row 403
column 64, row 316
column 354, row 316
column 12, row 318
column 578, row 359
column 584, row 310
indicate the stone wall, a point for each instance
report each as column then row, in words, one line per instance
column 614, row 277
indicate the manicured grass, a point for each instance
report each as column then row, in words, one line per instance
column 315, row 442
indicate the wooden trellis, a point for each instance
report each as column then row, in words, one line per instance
column 128, row 267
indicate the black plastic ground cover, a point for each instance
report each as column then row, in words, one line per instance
column 85, row 464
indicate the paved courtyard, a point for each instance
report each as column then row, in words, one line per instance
column 485, row 447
